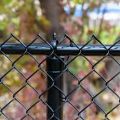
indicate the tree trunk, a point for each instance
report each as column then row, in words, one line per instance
column 53, row 12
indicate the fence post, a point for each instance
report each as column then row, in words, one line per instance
column 54, row 68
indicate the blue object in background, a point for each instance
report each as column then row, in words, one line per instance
column 104, row 8
column 67, row 9
column 107, row 9
column 78, row 10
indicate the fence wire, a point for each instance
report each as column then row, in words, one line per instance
column 90, row 84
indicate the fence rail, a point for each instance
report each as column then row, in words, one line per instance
column 37, row 49
column 56, row 53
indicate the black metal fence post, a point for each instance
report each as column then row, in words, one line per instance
column 55, row 83
column 54, row 68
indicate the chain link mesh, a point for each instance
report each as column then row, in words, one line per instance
column 91, row 83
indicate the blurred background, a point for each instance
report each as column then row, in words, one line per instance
column 80, row 19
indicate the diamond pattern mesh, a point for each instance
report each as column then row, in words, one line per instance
column 90, row 84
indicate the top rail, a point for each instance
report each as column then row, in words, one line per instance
column 61, row 50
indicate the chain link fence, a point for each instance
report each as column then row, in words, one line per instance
column 59, row 80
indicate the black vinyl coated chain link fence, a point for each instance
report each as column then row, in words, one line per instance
column 47, row 81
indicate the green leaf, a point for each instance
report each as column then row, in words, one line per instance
column 7, row 1
column 3, row 25
column 78, row 1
